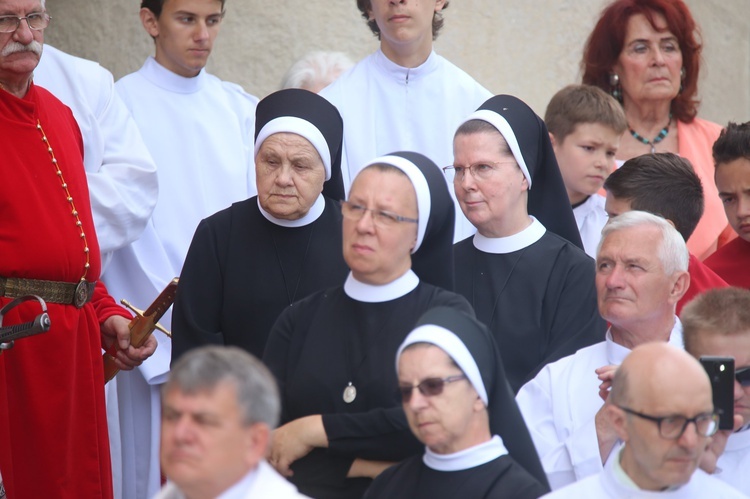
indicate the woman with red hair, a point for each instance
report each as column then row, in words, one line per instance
column 646, row 53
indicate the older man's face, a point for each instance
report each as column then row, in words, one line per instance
column 652, row 461
column 205, row 445
column 631, row 284
column 20, row 50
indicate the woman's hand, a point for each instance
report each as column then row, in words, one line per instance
column 295, row 440
column 368, row 469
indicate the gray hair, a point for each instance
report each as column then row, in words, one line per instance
column 317, row 67
column 203, row 369
column 673, row 251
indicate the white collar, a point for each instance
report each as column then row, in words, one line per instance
column 467, row 458
column 240, row 489
column 371, row 293
column 623, row 479
column 401, row 73
column 615, row 350
column 518, row 241
column 166, row 79
column 312, row 215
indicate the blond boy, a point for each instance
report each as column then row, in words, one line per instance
column 585, row 125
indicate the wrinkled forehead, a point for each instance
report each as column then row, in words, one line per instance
column 11, row 7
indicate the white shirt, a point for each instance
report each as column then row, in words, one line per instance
column 614, row 483
column 559, row 406
column 200, row 133
column 261, row 483
column 119, row 169
column 388, row 108
column 591, row 218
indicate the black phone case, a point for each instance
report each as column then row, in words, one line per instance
column 721, row 373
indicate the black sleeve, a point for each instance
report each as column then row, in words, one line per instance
column 196, row 318
column 576, row 322
column 383, row 433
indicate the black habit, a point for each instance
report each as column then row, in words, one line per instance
column 323, row 343
column 537, row 296
column 242, row 270
column 539, row 301
column 501, row 478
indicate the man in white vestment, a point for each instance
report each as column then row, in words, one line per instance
column 717, row 323
column 641, row 273
column 220, row 405
column 199, row 131
column 404, row 97
column 661, row 408
column 119, row 169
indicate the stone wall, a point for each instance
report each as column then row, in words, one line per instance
column 526, row 48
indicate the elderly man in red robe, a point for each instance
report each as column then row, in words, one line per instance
column 53, row 430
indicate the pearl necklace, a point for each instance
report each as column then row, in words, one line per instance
column 69, row 198
column 662, row 134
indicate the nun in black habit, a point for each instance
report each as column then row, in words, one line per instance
column 332, row 353
column 253, row 259
column 459, row 404
column 524, row 272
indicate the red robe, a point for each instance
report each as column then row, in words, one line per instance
column 732, row 262
column 702, row 279
column 53, row 429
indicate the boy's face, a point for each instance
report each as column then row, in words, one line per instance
column 405, row 26
column 733, row 183
column 586, row 158
column 184, row 33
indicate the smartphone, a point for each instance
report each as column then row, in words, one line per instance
column 721, row 373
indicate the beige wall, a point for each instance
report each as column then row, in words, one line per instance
column 527, row 48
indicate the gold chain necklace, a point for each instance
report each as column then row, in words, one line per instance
column 69, row 198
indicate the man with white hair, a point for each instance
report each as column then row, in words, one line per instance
column 641, row 274
column 53, row 433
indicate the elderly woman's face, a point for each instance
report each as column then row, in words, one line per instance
column 379, row 254
column 650, row 62
column 289, row 174
column 447, row 422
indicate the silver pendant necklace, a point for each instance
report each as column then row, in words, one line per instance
column 350, row 393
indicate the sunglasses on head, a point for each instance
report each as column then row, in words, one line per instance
column 742, row 376
column 428, row 387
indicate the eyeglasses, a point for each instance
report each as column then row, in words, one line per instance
column 672, row 427
column 742, row 376
column 428, row 387
column 480, row 171
column 36, row 21
column 380, row 218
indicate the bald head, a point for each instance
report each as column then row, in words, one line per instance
column 660, row 382
column 653, row 371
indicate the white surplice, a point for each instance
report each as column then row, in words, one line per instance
column 734, row 463
column 591, row 218
column 388, row 108
column 559, row 406
column 200, row 133
column 119, row 169
column 614, row 483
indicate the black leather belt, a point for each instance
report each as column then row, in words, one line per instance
column 66, row 293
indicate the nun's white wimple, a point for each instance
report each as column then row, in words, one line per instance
column 451, row 344
column 418, row 180
column 293, row 124
column 502, row 125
